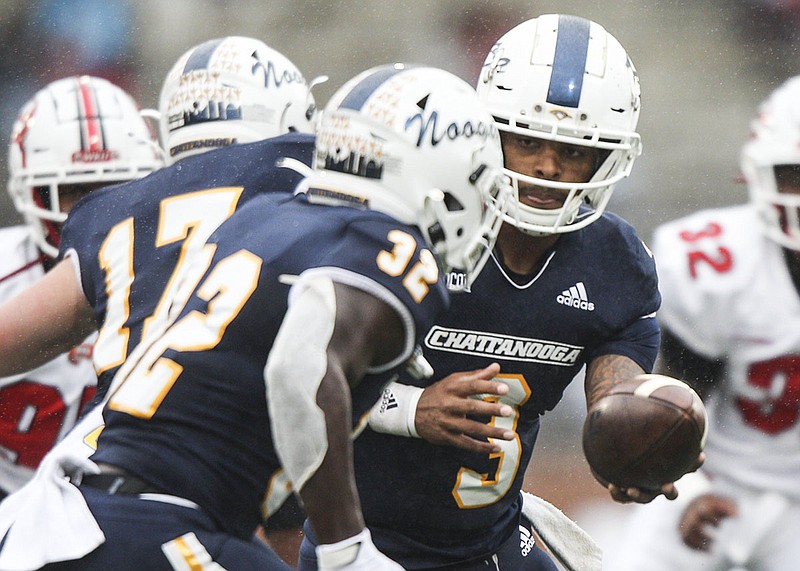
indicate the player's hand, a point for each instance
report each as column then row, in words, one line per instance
column 443, row 408
column 703, row 512
column 628, row 495
column 640, row 496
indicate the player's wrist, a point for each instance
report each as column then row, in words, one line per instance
column 396, row 411
column 356, row 553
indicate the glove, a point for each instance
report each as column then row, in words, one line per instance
column 356, row 553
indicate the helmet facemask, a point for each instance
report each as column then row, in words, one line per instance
column 467, row 252
column 779, row 212
column 770, row 162
column 584, row 202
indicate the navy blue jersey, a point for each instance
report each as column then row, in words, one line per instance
column 131, row 239
column 192, row 417
column 595, row 295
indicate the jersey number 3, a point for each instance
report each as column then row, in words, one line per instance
column 475, row 490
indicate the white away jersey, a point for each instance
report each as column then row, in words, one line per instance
column 727, row 294
column 38, row 407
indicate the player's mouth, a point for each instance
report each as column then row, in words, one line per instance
column 538, row 197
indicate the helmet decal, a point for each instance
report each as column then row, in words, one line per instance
column 569, row 62
column 431, row 132
column 91, row 127
column 200, row 56
column 287, row 76
column 361, row 92
column 20, row 132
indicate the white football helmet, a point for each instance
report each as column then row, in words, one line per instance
column 75, row 130
column 774, row 141
column 415, row 143
column 231, row 90
column 565, row 79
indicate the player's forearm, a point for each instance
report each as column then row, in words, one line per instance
column 606, row 371
column 43, row 321
column 330, row 496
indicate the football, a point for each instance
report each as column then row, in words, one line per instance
column 645, row 432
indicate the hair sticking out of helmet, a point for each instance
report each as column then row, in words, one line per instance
column 76, row 131
column 565, row 79
column 415, row 143
column 232, row 90
column 774, row 142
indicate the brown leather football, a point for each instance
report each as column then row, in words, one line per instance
column 645, row 432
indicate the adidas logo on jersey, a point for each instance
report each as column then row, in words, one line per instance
column 576, row 297
column 526, row 540
column 388, row 401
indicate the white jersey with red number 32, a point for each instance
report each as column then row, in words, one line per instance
column 727, row 294
column 38, row 407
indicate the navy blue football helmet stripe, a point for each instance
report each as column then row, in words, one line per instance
column 569, row 62
column 202, row 55
column 367, row 86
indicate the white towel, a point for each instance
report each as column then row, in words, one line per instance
column 48, row 520
column 568, row 543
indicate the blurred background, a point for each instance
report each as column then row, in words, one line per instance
column 704, row 67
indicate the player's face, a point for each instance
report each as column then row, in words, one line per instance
column 788, row 178
column 548, row 160
column 69, row 194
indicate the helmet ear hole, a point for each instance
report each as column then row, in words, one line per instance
column 452, row 203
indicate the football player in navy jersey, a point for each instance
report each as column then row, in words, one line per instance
column 568, row 285
column 177, row 208
column 258, row 94
column 304, row 307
